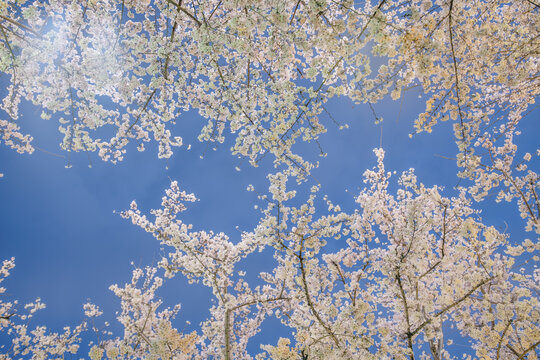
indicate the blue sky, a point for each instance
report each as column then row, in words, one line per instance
column 69, row 245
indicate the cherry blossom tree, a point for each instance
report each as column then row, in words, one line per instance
column 414, row 271
column 266, row 70
column 36, row 343
column 415, row 264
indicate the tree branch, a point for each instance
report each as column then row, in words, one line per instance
column 407, row 316
column 178, row 6
column 310, row 302
column 455, row 70
column 530, row 348
column 502, row 338
column 22, row 26
column 454, row 304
